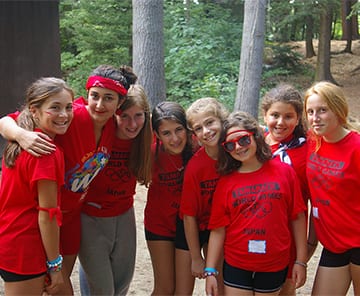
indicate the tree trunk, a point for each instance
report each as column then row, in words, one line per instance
column 248, row 90
column 148, row 48
column 30, row 48
column 346, row 24
column 354, row 23
column 310, row 52
column 323, row 57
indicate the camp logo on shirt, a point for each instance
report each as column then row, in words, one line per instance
column 79, row 178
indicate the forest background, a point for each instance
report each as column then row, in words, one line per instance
column 202, row 42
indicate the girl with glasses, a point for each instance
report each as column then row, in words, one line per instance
column 256, row 202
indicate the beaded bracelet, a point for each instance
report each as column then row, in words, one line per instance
column 209, row 271
column 55, row 265
column 301, row 263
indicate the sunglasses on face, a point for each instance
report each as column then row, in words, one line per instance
column 243, row 141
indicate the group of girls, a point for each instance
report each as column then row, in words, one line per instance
column 227, row 200
column 90, row 133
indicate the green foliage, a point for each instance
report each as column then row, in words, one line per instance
column 93, row 32
column 202, row 52
column 285, row 63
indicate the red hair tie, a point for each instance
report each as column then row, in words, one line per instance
column 99, row 81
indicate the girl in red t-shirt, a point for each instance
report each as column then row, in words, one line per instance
column 334, row 179
column 171, row 152
column 256, row 200
column 108, row 262
column 30, row 214
column 87, row 145
column 282, row 108
column 205, row 117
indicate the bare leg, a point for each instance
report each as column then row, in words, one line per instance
column 237, row 292
column 162, row 255
column 184, row 279
column 331, row 281
column 355, row 275
column 33, row 286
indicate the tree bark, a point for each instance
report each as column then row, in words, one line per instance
column 148, row 48
column 346, row 24
column 248, row 90
column 29, row 49
column 323, row 57
column 310, row 52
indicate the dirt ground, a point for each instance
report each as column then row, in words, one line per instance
column 346, row 71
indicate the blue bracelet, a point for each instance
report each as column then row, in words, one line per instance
column 55, row 262
column 208, row 271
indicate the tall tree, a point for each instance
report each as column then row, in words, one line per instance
column 323, row 58
column 148, row 47
column 248, row 91
column 30, row 47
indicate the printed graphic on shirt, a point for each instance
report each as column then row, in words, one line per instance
column 117, row 169
column 172, row 181
column 256, row 200
column 79, row 178
column 324, row 168
column 207, row 188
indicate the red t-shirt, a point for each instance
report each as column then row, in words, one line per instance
column 21, row 247
column 298, row 162
column 84, row 158
column 256, row 209
column 112, row 191
column 164, row 194
column 334, row 179
column 200, row 181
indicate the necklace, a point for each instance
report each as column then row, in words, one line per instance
column 179, row 169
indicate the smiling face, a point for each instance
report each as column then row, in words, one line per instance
column 130, row 122
column 207, row 129
column 55, row 114
column 247, row 153
column 173, row 135
column 102, row 104
column 281, row 119
column 322, row 120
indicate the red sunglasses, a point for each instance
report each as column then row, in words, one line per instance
column 243, row 141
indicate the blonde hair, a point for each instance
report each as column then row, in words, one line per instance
column 140, row 155
column 36, row 95
column 335, row 98
column 209, row 106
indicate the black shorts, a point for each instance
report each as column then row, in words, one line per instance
column 330, row 259
column 180, row 239
column 262, row 282
column 8, row 276
column 150, row 236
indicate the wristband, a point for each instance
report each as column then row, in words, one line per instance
column 301, row 263
column 55, row 265
column 209, row 271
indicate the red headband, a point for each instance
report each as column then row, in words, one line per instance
column 99, row 81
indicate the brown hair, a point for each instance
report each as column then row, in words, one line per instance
column 37, row 93
column 140, row 154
